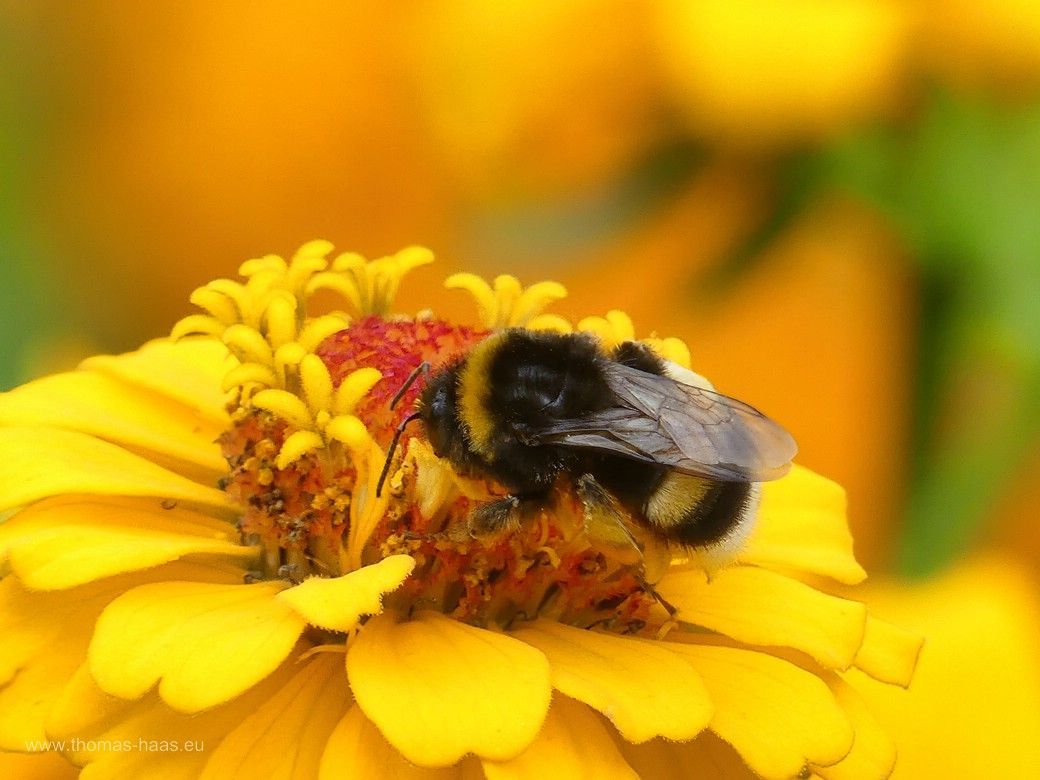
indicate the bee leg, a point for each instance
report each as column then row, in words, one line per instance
column 506, row 514
column 604, row 517
column 603, row 511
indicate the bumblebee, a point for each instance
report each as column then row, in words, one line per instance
column 638, row 436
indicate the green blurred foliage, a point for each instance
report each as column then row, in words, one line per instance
column 27, row 314
column 961, row 185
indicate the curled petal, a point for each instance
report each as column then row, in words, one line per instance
column 553, row 322
column 285, row 405
column 249, row 373
column 533, row 300
column 317, row 330
column 353, row 388
column 280, row 318
column 351, row 431
column 296, row 445
column 218, row 304
column 262, row 265
column 247, row 344
column 197, row 324
column 670, row 348
column 613, row 329
column 487, row 306
column 333, row 280
column 338, row 603
column 287, row 357
column 317, row 383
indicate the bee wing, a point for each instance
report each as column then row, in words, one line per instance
column 685, row 428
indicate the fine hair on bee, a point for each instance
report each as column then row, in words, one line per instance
column 630, row 431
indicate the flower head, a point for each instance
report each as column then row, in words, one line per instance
column 201, row 548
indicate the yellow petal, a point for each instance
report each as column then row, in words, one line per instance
column 776, row 715
column 705, row 757
column 645, row 690
column 353, row 388
column 221, row 306
column 154, row 633
column 573, row 742
column 671, row 348
column 487, row 305
column 62, row 543
column 873, row 752
column 249, row 373
column 889, row 653
column 553, row 322
column 973, row 707
column 247, row 344
column 83, row 708
column 31, row 620
column 533, row 300
column 37, row 766
column 318, row 329
column 317, row 383
column 761, row 607
column 801, row 525
column 333, row 280
column 197, row 325
column 280, row 319
column 169, row 744
column 296, row 445
column 438, row 689
column 351, row 431
column 285, row 405
column 43, row 462
column 45, row 640
column 188, row 371
column 26, row 700
column 338, row 603
column 285, row 737
column 110, row 409
column 357, row 749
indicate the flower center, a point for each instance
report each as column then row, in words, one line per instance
column 548, row 566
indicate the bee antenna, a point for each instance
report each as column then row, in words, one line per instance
column 423, row 368
column 393, row 447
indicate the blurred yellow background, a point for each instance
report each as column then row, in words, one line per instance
column 835, row 204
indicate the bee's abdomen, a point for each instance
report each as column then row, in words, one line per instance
column 696, row 512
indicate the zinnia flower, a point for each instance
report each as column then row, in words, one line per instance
column 203, row 579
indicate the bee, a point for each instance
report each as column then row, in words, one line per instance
column 636, row 435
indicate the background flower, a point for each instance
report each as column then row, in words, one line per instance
column 852, row 245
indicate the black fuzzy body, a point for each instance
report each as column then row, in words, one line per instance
column 534, row 377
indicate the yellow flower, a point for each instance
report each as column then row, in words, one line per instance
column 981, row 660
column 763, row 72
column 203, row 578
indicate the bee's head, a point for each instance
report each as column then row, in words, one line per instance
column 437, row 411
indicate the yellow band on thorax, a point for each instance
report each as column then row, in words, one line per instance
column 474, row 394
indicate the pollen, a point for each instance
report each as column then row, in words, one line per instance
column 302, row 509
